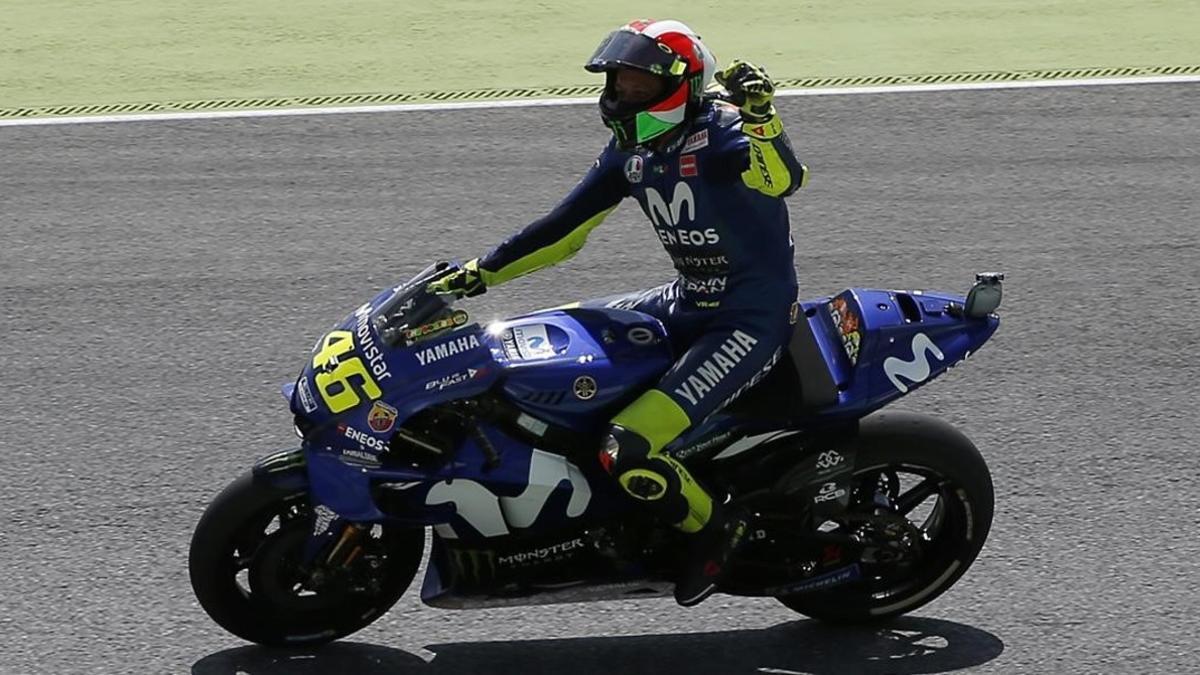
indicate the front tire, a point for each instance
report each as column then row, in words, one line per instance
column 244, row 562
column 951, row 502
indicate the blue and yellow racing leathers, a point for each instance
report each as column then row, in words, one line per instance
column 714, row 196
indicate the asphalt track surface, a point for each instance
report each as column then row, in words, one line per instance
column 159, row 280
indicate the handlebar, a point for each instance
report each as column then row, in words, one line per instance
column 412, row 305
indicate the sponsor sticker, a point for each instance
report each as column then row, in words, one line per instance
column 323, row 517
column 551, row 553
column 709, row 373
column 684, row 237
column 451, row 380
column 841, row 576
column 917, row 369
column 306, row 397
column 761, row 162
column 848, row 327
column 366, row 343
column 532, row 341
column 687, row 166
column 456, row 319
column 475, row 565
column 829, row 459
column 706, row 444
column 830, row 463
column 708, row 286
column 717, row 264
column 446, row 349
column 363, row 438
column 360, row 458
column 829, row 492
column 633, row 168
column 508, row 343
column 382, row 417
column 696, row 141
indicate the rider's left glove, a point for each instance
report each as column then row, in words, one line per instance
column 750, row 88
column 464, row 283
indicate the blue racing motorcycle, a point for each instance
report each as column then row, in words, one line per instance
column 413, row 418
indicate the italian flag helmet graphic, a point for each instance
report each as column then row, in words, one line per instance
column 667, row 49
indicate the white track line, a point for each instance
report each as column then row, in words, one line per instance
column 468, row 105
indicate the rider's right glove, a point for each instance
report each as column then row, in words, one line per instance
column 464, row 283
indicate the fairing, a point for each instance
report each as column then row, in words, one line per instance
column 578, row 367
column 883, row 344
column 573, row 369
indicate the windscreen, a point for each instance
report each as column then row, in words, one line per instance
column 412, row 314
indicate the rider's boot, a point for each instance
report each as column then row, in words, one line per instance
column 633, row 454
column 709, row 554
column 665, row 488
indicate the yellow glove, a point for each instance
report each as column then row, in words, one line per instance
column 464, row 283
column 750, row 89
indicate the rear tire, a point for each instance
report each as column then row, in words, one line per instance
column 243, row 562
column 957, row 525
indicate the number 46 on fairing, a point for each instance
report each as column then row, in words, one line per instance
column 336, row 374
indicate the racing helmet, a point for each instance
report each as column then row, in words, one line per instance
column 667, row 49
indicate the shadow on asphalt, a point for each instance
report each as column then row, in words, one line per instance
column 905, row 645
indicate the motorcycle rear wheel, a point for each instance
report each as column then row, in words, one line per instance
column 244, row 568
column 951, row 498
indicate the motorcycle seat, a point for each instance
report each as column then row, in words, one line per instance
column 799, row 384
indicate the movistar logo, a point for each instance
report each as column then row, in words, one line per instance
column 915, row 370
column 682, row 202
column 366, row 342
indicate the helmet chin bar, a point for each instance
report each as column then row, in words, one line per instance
column 613, row 106
column 638, row 130
column 633, row 124
column 650, row 128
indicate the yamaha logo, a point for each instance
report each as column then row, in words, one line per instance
column 585, row 387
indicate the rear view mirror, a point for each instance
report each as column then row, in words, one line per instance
column 985, row 295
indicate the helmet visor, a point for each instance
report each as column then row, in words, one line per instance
column 627, row 48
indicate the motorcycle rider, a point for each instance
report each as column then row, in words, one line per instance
column 711, row 176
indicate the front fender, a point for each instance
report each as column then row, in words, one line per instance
column 285, row 469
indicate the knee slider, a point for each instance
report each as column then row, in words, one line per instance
column 643, row 484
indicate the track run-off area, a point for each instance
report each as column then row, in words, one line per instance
column 158, row 281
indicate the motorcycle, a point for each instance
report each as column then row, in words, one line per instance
column 414, row 419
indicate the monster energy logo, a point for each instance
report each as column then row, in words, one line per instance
column 537, row 555
column 480, row 565
column 473, row 565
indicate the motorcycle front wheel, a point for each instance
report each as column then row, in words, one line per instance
column 245, row 570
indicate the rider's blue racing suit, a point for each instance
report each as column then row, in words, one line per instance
column 715, row 198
